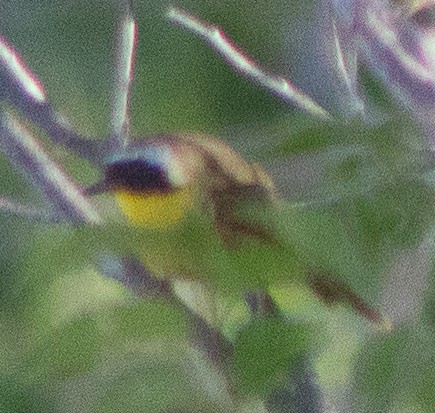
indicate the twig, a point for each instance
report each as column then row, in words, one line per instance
column 301, row 394
column 26, row 153
column 124, row 62
column 20, row 87
column 260, row 304
column 130, row 272
column 16, row 208
column 241, row 63
column 21, row 75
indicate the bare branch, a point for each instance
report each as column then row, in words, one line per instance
column 60, row 132
column 301, row 393
column 21, row 88
column 260, row 304
column 23, row 77
column 346, row 61
column 16, row 208
column 241, row 63
column 30, row 158
column 130, row 272
column 125, row 52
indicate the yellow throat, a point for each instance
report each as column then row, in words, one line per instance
column 155, row 210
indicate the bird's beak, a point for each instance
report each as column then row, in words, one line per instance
column 97, row 188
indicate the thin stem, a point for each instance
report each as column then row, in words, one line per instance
column 21, row 88
column 30, row 158
column 20, row 73
column 241, row 63
column 124, row 62
column 130, row 272
column 301, row 394
column 16, row 208
column 346, row 61
column 260, row 304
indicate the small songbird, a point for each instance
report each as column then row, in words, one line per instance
column 162, row 182
column 156, row 181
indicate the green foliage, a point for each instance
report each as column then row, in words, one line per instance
column 18, row 397
column 324, row 241
column 147, row 320
column 67, row 351
column 398, row 215
column 158, row 385
column 395, row 369
column 265, row 351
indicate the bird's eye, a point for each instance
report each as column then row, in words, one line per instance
column 137, row 176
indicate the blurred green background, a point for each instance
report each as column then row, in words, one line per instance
column 74, row 341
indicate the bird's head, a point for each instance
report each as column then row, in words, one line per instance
column 153, row 182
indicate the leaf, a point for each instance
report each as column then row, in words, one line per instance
column 325, row 243
column 312, row 136
column 260, row 265
column 265, row 351
column 18, row 397
column 149, row 320
column 155, row 385
column 392, row 369
column 397, row 215
column 67, row 351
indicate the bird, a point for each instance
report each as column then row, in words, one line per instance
column 183, row 189
column 156, row 181
column 202, row 212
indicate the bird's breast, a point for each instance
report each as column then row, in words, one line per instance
column 156, row 210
